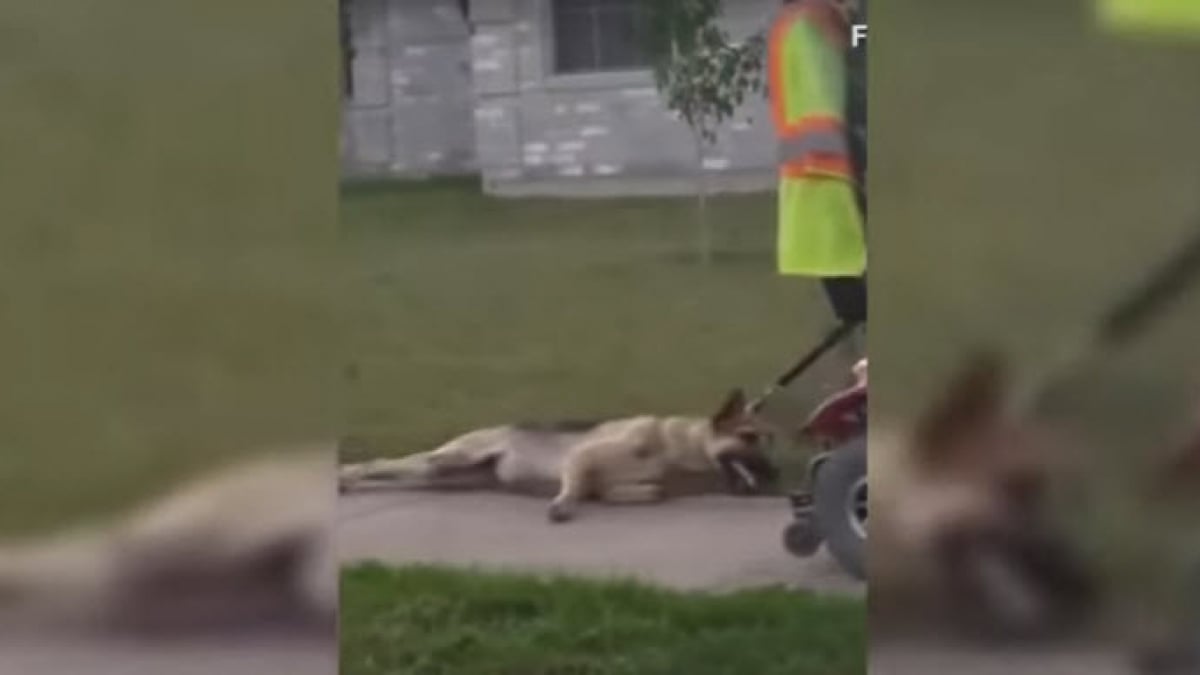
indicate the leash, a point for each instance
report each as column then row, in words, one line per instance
column 1127, row 318
column 1130, row 316
column 840, row 332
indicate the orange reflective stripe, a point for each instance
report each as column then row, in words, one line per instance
column 816, row 142
column 827, row 19
column 822, row 135
column 810, row 124
column 775, row 62
column 818, row 164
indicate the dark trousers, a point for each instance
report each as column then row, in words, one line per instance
column 847, row 297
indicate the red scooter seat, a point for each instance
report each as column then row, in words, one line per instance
column 838, row 418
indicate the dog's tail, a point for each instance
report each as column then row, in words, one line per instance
column 67, row 574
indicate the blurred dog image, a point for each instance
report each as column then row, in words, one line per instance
column 1182, row 470
column 960, row 527
column 242, row 549
column 634, row 460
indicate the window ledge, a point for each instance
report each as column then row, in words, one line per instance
column 616, row 79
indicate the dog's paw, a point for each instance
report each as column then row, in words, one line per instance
column 560, row 512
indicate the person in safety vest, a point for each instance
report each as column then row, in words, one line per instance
column 817, row 87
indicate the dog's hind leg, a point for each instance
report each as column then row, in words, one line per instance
column 465, row 463
column 459, row 456
column 412, row 471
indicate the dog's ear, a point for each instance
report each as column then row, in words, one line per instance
column 972, row 401
column 731, row 413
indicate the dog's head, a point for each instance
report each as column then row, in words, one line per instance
column 967, row 438
column 738, row 445
column 975, row 506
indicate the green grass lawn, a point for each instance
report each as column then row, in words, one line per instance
column 431, row 621
column 466, row 310
column 167, row 222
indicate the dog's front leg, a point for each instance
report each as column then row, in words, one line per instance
column 575, row 481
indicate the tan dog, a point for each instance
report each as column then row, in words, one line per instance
column 246, row 547
column 633, row 460
column 959, row 522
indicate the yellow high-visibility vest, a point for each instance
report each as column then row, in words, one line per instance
column 820, row 224
column 1176, row 18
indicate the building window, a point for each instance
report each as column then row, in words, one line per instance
column 599, row 35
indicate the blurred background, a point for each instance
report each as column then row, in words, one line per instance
column 168, row 202
column 1028, row 167
column 167, row 211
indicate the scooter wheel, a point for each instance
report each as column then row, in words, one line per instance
column 801, row 539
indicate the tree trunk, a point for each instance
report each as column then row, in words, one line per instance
column 702, row 222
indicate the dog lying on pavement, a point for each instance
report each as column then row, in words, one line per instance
column 634, row 460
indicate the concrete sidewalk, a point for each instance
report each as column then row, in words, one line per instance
column 932, row 658
column 34, row 652
column 712, row 542
column 708, row 543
